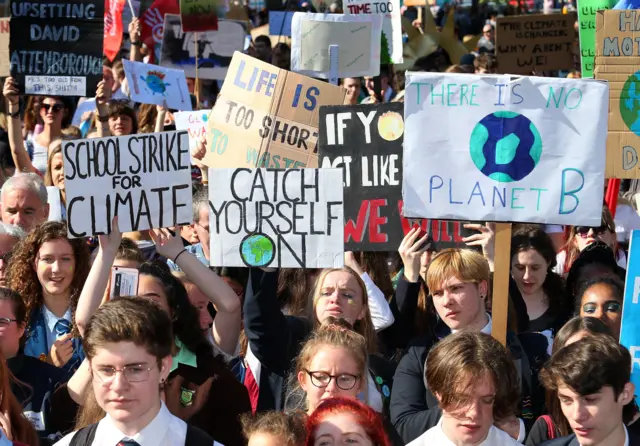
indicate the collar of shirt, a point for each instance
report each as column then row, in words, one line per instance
column 151, row 435
column 486, row 329
column 51, row 319
column 184, row 356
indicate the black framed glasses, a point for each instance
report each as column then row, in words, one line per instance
column 5, row 321
column 344, row 381
column 55, row 107
column 134, row 373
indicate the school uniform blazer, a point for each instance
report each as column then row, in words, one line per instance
column 571, row 440
column 36, row 342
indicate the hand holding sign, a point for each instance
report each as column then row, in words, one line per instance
column 109, row 243
column 486, row 239
column 411, row 249
column 167, row 244
column 11, row 92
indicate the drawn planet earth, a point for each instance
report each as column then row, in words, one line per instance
column 390, row 126
column 630, row 103
column 257, row 250
column 505, row 146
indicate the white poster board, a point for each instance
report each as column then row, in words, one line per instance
column 358, row 38
column 497, row 148
column 391, row 44
column 144, row 179
column 152, row 84
column 195, row 123
column 278, row 218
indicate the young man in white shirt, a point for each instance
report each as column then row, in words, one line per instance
column 128, row 344
column 475, row 381
column 592, row 378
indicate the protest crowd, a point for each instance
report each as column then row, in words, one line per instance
column 364, row 222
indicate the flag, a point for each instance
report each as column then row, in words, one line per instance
column 112, row 27
column 152, row 22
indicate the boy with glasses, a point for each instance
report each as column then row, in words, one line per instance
column 128, row 345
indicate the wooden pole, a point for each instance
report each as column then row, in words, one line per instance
column 500, row 299
column 196, row 87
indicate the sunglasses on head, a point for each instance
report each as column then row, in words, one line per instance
column 55, row 107
column 583, row 231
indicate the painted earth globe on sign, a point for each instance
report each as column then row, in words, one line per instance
column 257, row 250
column 630, row 103
column 505, row 146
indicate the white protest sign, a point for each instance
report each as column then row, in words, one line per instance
column 283, row 218
column 152, row 84
column 493, row 148
column 55, row 206
column 144, row 179
column 195, row 123
column 391, row 44
column 357, row 36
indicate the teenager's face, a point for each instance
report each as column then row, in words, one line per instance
column 599, row 301
column 330, row 361
column 340, row 297
column 469, row 424
column 57, row 171
column 595, row 417
column 55, row 265
column 151, row 288
column 10, row 332
column 529, row 270
column 120, row 125
column 459, row 304
column 584, row 239
column 52, row 111
column 125, row 401
column 341, row 429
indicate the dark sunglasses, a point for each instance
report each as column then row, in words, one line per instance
column 583, row 231
column 55, row 107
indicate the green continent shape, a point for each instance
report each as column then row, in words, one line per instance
column 479, row 137
column 506, row 149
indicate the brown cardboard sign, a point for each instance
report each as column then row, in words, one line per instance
column 4, row 48
column 617, row 60
column 535, row 42
column 267, row 117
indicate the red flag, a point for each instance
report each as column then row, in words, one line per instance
column 112, row 27
column 152, row 21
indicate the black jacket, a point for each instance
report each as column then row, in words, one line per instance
column 571, row 440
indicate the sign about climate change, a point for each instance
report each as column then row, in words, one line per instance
column 267, row 117
column 587, row 19
column 504, row 149
column 617, row 55
column 145, row 180
column 275, row 217
column 56, row 47
column 630, row 325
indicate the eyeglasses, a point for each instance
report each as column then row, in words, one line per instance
column 5, row 321
column 583, row 231
column 55, row 107
column 344, row 381
column 135, row 373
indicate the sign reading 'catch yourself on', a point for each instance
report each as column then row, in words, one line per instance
column 498, row 148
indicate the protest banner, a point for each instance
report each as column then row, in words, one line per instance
column 194, row 123
column 152, row 24
column 214, row 50
column 280, row 23
column 535, row 42
column 152, row 84
column 391, row 36
column 630, row 323
column 366, row 142
column 617, row 62
column 4, row 48
column 282, row 218
column 198, row 15
column 357, row 36
column 511, row 150
column 267, row 117
column 56, row 47
column 587, row 31
column 113, row 28
column 143, row 179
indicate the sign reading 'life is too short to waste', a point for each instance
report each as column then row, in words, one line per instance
column 511, row 150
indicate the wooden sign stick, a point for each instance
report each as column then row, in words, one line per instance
column 196, row 87
column 500, row 300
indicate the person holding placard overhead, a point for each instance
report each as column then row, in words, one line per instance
column 48, row 270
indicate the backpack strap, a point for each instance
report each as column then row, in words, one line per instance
column 85, row 436
column 197, row 437
column 551, row 430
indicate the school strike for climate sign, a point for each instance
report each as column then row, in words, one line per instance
column 144, row 180
column 56, row 47
column 527, row 149
column 282, row 218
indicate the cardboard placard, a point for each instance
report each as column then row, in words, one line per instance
column 366, row 142
column 215, row 48
column 357, row 36
column 587, row 31
column 267, row 117
column 535, row 42
column 144, row 179
column 152, row 84
column 617, row 62
column 289, row 218
column 198, row 15
column 391, row 36
column 56, row 46
column 507, row 150
column 4, row 48
column 630, row 324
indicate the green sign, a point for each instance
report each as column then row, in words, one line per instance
column 587, row 18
